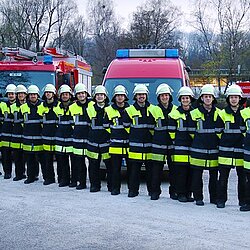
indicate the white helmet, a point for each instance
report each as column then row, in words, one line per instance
column 120, row 90
column 140, row 89
column 21, row 89
column 100, row 90
column 64, row 89
column 80, row 87
column 207, row 89
column 185, row 90
column 234, row 90
column 11, row 88
column 163, row 89
column 50, row 88
column 33, row 89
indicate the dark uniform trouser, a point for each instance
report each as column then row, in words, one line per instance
column 63, row 169
column 197, row 184
column 19, row 160
column 49, row 165
column 33, row 159
column 7, row 160
column 247, row 193
column 223, row 183
column 78, row 163
column 172, row 174
column 156, row 174
column 183, row 179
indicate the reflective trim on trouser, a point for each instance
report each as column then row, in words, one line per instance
column 247, row 165
column 50, row 148
column 231, row 161
column 203, row 163
column 63, row 149
column 118, row 151
column 32, row 148
column 16, row 145
column 79, row 151
column 180, row 158
column 139, row 156
column 158, row 157
column 94, row 155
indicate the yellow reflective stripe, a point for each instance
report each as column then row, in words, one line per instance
column 231, row 161
column 16, row 145
column 139, row 156
column 180, row 158
column 158, row 157
column 247, row 165
column 79, row 151
column 6, row 143
column 63, row 149
column 31, row 148
column 118, row 151
column 105, row 156
column 48, row 147
column 203, row 163
column 92, row 155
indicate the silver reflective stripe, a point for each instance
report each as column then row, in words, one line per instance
column 230, row 149
column 30, row 137
column 80, row 140
column 218, row 130
column 205, row 151
column 64, row 122
column 142, row 126
column 97, row 127
column 8, row 120
column 246, row 152
column 126, row 124
column 140, row 145
column 242, row 127
column 101, row 145
column 63, row 139
column 159, row 146
column 182, row 129
column 165, row 128
column 206, row 131
column 93, row 144
column 17, row 136
column 232, row 131
column 48, row 138
column 81, row 123
column 117, row 126
column 32, row 121
column 181, row 148
column 49, row 121
column 6, row 134
column 18, row 121
column 119, row 141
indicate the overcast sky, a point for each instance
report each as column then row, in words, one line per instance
column 124, row 9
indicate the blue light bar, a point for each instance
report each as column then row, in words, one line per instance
column 47, row 59
column 173, row 53
column 122, row 53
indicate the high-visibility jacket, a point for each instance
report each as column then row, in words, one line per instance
column 113, row 122
column 204, row 149
column 182, row 138
column 1, row 121
column 98, row 140
column 231, row 139
column 32, row 127
column 63, row 136
column 140, row 122
column 81, row 127
column 17, row 131
column 162, row 144
column 46, row 110
column 245, row 114
column 7, row 124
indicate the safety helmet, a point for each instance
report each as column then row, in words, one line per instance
column 140, row 89
column 33, row 89
column 64, row 89
column 50, row 88
column 163, row 89
column 185, row 91
column 207, row 89
column 11, row 88
column 21, row 89
column 120, row 90
column 100, row 90
column 235, row 90
column 80, row 87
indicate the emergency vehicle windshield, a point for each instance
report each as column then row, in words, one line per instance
column 151, row 83
column 39, row 78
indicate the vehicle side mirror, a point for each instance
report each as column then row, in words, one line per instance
column 104, row 70
column 188, row 69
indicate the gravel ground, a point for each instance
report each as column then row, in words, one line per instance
column 48, row 217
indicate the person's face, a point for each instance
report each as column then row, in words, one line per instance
column 33, row 97
column 207, row 99
column 164, row 98
column 65, row 97
column 100, row 98
column 11, row 96
column 49, row 95
column 21, row 96
column 81, row 96
column 120, row 98
column 141, row 98
column 185, row 100
column 234, row 100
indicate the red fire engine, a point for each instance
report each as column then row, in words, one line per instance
column 20, row 66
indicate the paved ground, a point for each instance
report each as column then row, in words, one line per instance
column 48, row 217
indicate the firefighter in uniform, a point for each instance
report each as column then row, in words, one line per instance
column 204, row 149
column 162, row 145
column 80, row 133
column 7, row 126
column 46, row 110
column 32, row 137
column 245, row 114
column 118, row 148
column 63, row 138
column 231, row 145
column 98, row 140
column 139, row 119
column 182, row 144
column 17, row 133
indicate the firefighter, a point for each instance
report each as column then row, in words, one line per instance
column 80, row 132
column 63, row 138
column 46, row 110
column 7, row 126
column 245, row 114
column 231, row 145
column 162, row 145
column 182, row 144
column 17, row 133
column 98, row 140
column 118, row 148
column 32, row 137
column 204, row 149
column 139, row 119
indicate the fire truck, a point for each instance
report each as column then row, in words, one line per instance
column 51, row 65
